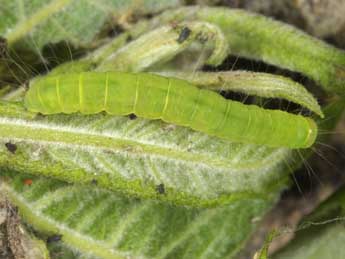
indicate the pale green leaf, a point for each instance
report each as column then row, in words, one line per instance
column 258, row 37
column 321, row 235
column 97, row 222
column 318, row 242
column 162, row 44
column 36, row 23
column 42, row 32
column 134, row 156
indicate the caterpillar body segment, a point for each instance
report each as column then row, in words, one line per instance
column 172, row 100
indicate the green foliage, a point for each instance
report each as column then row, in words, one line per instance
column 320, row 235
column 104, row 224
column 36, row 23
column 115, row 206
column 42, row 33
column 317, row 242
column 258, row 84
column 134, row 156
column 162, row 44
column 257, row 37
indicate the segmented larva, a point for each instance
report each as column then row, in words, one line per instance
column 171, row 100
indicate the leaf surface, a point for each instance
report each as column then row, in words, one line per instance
column 136, row 156
column 36, row 23
column 322, row 233
column 101, row 223
column 258, row 37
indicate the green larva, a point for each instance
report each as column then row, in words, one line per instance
column 171, row 100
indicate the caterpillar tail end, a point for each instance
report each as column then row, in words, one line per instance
column 312, row 134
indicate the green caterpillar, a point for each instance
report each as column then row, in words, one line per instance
column 171, row 100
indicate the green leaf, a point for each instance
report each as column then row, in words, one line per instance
column 48, row 31
column 101, row 223
column 135, row 156
column 321, row 235
column 258, row 37
column 36, row 23
column 251, row 83
column 318, row 242
column 162, row 44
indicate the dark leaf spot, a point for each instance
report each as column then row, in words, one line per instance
column 132, row 116
column 115, row 30
column 185, row 32
column 160, row 188
column 129, row 38
column 11, row 147
column 54, row 238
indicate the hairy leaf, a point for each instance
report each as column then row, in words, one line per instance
column 164, row 43
column 318, row 242
column 45, row 32
column 36, row 23
column 321, row 235
column 98, row 222
column 135, row 156
column 257, row 37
